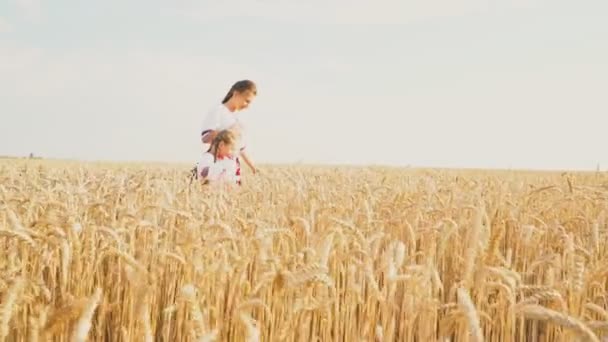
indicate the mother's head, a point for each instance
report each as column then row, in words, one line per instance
column 240, row 95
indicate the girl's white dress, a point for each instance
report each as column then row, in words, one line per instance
column 224, row 170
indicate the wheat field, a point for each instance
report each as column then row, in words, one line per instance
column 133, row 252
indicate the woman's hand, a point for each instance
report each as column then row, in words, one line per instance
column 248, row 161
column 208, row 137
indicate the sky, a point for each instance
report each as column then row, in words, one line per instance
column 422, row 83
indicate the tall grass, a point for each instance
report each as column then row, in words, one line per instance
column 132, row 253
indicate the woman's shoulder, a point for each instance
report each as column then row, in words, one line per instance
column 218, row 108
column 215, row 111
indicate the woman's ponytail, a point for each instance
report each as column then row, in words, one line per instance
column 241, row 87
column 228, row 96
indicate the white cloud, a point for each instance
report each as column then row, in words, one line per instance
column 5, row 26
column 30, row 8
column 342, row 11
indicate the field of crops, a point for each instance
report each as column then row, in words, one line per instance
column 134, row 253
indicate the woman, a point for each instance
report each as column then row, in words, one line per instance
column 225, row 117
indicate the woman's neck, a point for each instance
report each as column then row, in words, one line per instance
column 230, row 105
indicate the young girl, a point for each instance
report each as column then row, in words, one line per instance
column 218, row 164
column 224, row 117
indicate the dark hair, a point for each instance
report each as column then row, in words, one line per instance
column 241, row 86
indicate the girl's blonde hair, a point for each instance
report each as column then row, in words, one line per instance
column 227, row 137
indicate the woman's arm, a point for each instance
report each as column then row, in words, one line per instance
column 209, row 127
column 248, row 161
column 208, row 136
